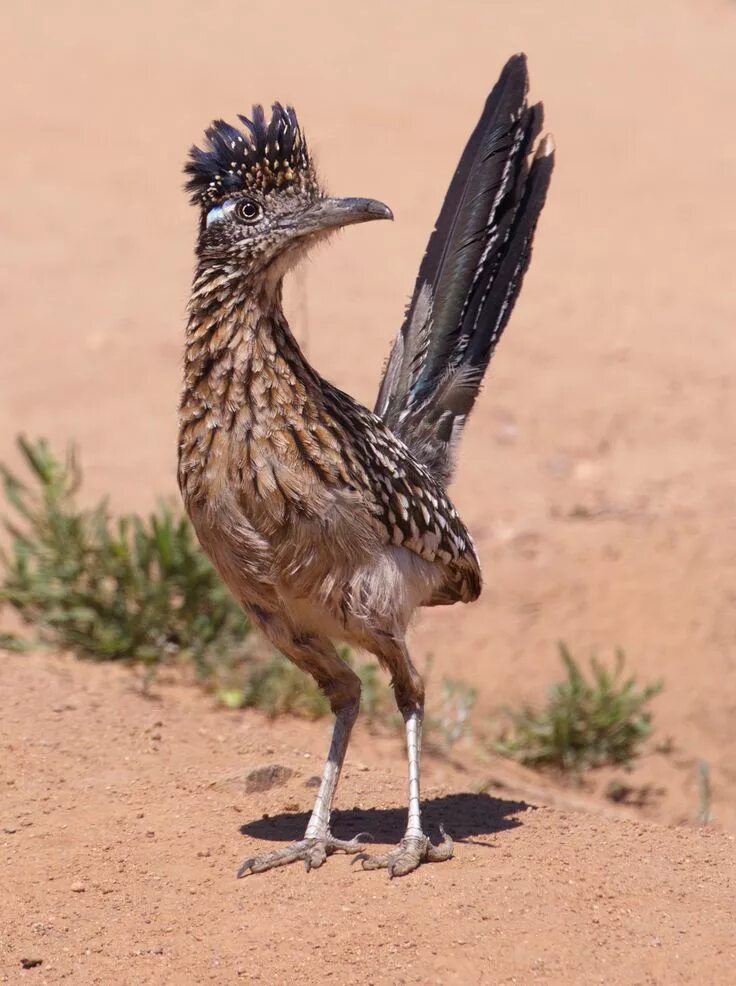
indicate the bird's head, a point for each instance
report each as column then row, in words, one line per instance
column 261, row 204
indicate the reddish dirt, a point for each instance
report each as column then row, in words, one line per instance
column 124, row 819
column 597, row 475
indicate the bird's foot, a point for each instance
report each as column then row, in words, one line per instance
column 313, row 852
column 410, row 852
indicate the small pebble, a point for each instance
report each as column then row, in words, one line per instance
column 78, row 887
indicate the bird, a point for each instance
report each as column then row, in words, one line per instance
column 330, row 523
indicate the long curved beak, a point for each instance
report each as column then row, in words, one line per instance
column 331, row 213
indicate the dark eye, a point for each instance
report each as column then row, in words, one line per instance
column 247, row 211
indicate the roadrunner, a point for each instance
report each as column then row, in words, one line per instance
column 329, row 522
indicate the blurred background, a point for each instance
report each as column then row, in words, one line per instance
column 598, row 472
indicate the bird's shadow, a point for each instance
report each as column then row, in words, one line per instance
column 464, row 816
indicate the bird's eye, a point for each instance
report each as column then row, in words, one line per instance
column 247, row 211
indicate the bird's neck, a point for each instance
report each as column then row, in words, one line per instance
column 236, row 332
column 244, row 373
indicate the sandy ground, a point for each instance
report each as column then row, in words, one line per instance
column 124, row 819
column 597, row 476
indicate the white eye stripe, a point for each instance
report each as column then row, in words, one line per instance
column 220, row 212
column 214, row 214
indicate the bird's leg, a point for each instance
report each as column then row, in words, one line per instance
column 415, row 847
column 342, row 687
column 319, row 821
column 414, row 721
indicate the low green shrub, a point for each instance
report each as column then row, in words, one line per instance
column 587, row 722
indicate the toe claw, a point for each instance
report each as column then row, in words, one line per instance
column 312, row 851
column 444, row 851
column 244, row 868
column 374, row 862
column 348, row 845
column 410, row 853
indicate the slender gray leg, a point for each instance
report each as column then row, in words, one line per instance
column 415, row 847
column 413, row 752
column 319, row 821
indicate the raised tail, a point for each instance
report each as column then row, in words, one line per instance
column 470, row 275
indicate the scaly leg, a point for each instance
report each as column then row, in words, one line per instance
column 343, row 689
column 415, row 847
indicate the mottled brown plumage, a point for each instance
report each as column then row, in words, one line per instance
column 324, row 523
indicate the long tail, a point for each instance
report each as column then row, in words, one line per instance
column 470, row 275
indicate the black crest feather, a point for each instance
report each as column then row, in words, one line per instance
column 264, row 156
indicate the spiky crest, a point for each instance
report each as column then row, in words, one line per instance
column 264, row 157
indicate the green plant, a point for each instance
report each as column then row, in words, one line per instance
column 585, row 723
column 705, row 814
column 444, row 727
column 277, row 686
column 133, row 589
